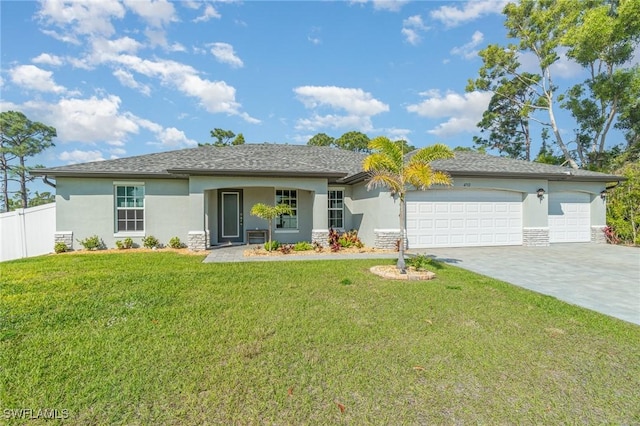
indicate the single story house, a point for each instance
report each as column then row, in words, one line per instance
column 204, row 195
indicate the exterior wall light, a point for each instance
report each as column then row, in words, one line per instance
column 541, row 193
column 603, row 194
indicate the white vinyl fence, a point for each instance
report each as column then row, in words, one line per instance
column 27, row 232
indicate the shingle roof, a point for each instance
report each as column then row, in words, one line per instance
column 301, row 160
column 248, row 159
column 477, row 164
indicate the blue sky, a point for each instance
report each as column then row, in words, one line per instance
column 124, row 78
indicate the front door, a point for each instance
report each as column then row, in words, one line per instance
column 230, row 227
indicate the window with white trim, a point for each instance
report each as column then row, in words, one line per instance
column 336, row 208
column 129, row 208
column 290, row 198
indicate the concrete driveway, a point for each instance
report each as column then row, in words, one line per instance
column 600, row 277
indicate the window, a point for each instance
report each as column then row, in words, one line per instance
column 336, row 208
column 129, row 208
column 290, row 198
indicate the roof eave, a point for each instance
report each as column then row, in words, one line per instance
column 250, row 173
column 111, row 174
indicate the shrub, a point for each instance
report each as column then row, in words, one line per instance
column 119, row 244
column 286, row 248
column 150, row 242
column 346, row 240
column 60, row 247
column 334, row 240
column 273, row 245
column 420, row 262
column 317, row 247
column 175, row 243
column 302, row 246
column 128, row 243
column 91, row 243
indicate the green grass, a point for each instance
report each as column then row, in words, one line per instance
column 160, row 338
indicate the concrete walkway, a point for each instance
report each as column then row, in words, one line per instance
column 599, row 277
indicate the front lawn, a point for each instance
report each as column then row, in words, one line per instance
column 160, row 338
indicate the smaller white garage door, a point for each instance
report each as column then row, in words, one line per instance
column 461, row 218
column 569, row 217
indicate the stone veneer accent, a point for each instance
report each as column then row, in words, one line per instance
column 535, row 236
column 386, row 238
column 321, row 236
column 197, row 240
column 64, row 237
column 597, row 235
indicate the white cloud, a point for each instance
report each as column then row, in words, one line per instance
column 412, row 27
column 47, row 59
column 358, row 105
column 82, row 16
column 155, row 13
column 34, row 78
column 126, row 79
column 468, row 50
column 332, row 121
column 463, row 111
column 353, row 101
column 172, row 138
column 223, row 52
column 78, row 156
column 452, row 16
column 209, row 13
column 389, row 5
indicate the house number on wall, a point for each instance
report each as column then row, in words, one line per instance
column 467, row 184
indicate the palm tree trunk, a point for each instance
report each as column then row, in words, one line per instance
column 401, row 265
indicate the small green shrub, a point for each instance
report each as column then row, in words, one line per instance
column 60, row 247
column 119, row 245
column 92, row 243
column 302, row 246
column 175, row 243
column 150, row 242
column 128, row 243
column 421, row 262
column 274, row 245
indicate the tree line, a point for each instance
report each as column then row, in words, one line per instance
column 20, row 139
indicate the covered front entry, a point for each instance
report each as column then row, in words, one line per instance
column 569, row 217
column 461, row 218
column 230, row 216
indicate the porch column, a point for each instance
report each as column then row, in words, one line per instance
column 320, row 229
column 197, row 228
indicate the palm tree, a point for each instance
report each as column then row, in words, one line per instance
column 389, row 167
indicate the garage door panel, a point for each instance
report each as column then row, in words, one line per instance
column 569, row 217
column 464, row 218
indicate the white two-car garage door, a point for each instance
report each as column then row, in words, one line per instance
column 459, row 218
column 569, row 217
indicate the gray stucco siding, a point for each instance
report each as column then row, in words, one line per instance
column 372, row 210
column 86, row 207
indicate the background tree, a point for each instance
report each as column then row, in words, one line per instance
column 222, row 137
column 602, row 40
column 389, row 167
column 269, row 213
column 599, row 35
column 353, row 141
column 623, row 205
column 239, row 140
column 20, row 138
column 321, row 139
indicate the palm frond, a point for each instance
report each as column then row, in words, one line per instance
column 422, row 176
column 432, row 153
column 384, row 146
column 379, row 161
column 385, row 179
